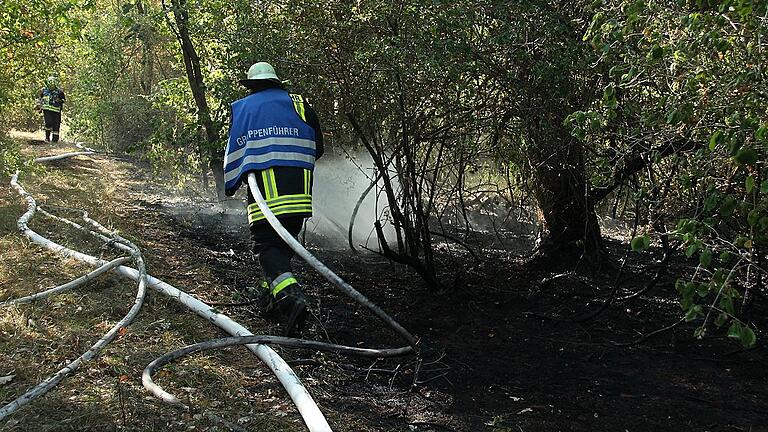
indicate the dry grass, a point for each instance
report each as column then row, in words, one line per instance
column 106, row 394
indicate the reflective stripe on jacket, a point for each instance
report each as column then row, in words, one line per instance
column 287, row 191
column 52, row 100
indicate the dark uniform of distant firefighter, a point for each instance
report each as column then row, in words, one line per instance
column 277, row 136
column 51, row 101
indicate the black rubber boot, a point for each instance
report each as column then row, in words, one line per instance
column 293, row 306
column 265, row 301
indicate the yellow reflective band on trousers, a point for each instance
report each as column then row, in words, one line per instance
column 307, row 181
column 270, row 186
column 51, row 108
column 286, row 204
column 283, row 281
column 298, row 105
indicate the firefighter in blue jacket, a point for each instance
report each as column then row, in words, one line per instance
column 51, row 101
column 277, row 136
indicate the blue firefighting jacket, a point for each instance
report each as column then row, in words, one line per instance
column 268, row 130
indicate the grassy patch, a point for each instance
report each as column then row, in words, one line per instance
column 106, row 394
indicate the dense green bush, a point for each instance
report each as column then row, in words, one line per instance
column 684, row 116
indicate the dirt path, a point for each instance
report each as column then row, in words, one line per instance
column 491, row 363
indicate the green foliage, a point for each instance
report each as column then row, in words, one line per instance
column 662, row 104
column 685, row 90
column 118, row 63
column 177, row 162
column 640, row 243
column 31, row 32
column 742, row 333
column 11, row 159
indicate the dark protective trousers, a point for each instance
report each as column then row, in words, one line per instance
column 274, row 254
column 52, row 125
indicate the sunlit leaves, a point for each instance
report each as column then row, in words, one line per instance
column 713, row 141
column 31, row 35
column 749, row 184
column 609, row 96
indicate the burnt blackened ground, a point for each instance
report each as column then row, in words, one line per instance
column 498, row 351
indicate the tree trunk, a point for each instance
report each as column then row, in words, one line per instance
column 216, row 164
column 572, row 232
column 197, row 86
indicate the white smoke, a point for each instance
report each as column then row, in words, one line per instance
column 338, row 184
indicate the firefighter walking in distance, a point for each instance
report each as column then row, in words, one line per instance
column 51, row 102
column 277, row 136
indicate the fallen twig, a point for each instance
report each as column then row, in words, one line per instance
column 663, row 265
column 459, row 242
column 646, row 336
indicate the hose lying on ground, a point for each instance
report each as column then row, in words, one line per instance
column 62, row 156
column 54, row 379
column 325, row 271
column 69, row 285
column 155, row 365
column 301, row 398
column 339, row 283
column 308, row 409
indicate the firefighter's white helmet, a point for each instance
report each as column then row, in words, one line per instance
column 262, row 71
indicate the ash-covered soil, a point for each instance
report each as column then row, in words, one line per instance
column 498, row 351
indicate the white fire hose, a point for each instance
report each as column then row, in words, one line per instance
column 322, row 269
column 309, row 411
